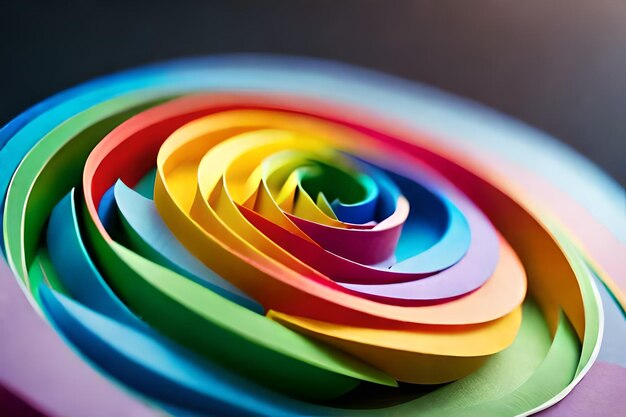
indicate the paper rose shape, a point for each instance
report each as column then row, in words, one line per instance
column 252, row 235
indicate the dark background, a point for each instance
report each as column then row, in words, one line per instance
column 558, row 65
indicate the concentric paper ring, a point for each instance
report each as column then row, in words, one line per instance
column 252, row 235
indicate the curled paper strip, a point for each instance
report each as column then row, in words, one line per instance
column 272, row 236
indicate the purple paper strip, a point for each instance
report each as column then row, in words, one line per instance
column 12, row 405
column 468, row 274
column 41, row 369
column 601, row 393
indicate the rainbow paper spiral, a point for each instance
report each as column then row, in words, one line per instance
column 250, row 235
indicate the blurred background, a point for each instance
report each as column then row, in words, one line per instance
column 559, row 66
